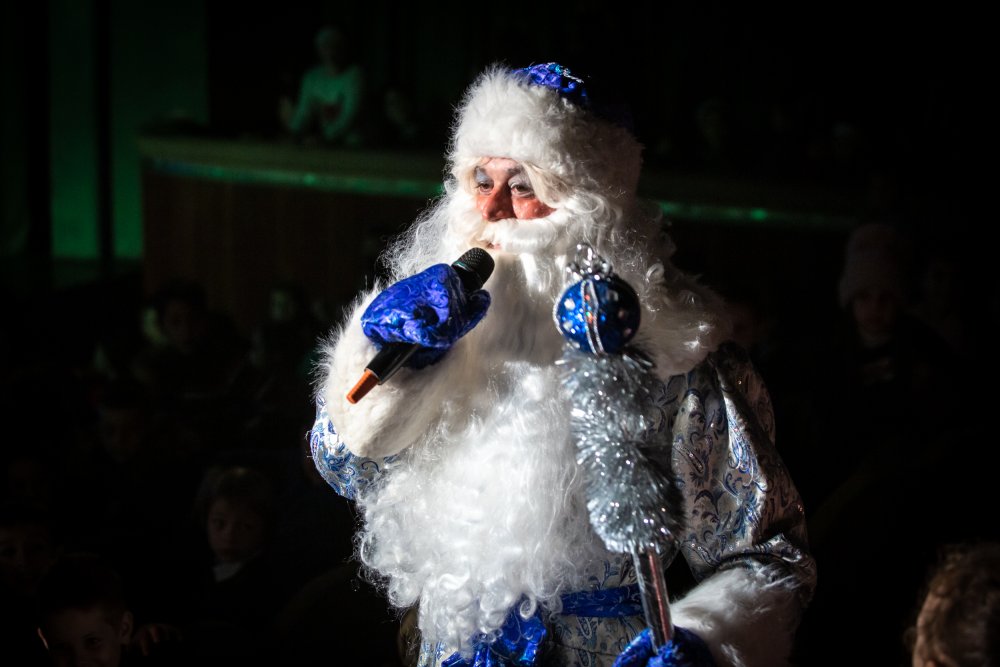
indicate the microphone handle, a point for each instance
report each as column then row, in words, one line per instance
column 390, row 359
column 383, row 365
column 473, row 268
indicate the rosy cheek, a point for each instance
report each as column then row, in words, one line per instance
column 529, row 209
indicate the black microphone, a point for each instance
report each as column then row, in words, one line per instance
column 473, row 268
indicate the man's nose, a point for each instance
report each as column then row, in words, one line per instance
column 496, row 205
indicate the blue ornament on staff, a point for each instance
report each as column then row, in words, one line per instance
column 622, row 445
column 599, row 312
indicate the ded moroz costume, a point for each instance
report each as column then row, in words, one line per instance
column 464, row 464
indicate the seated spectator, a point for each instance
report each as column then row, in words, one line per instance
column 131, row 492
column 884, row 436
column 31, row 477
column 885, row 363
column 947, row 299
column 958, row 624
column 192, row 364
column 279, row 379
column 29, row 546
column 84, row 617
column 239, row 589
column 197, row 352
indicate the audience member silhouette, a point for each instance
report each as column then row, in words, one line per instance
column 238, row 588
column 191, row 368
column 958, row 616
column 84, row 619
column 32, row 476
column 945, row 300
column 29, row 545
column 282, row 354
column 881, row 442
column 131, row 489
column 878, row 366
column 330, row 95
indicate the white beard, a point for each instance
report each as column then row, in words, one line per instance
column 489, row 508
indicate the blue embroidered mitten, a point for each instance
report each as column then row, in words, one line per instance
column 430, row 309
column 685, row 649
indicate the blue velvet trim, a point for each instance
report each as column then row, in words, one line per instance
column 518, row 645
column 520, row 639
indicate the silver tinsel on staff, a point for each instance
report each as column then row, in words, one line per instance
column 622, row 444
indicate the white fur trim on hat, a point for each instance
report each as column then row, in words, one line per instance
column 503, row 114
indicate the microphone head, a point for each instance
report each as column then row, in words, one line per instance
column 474, row 267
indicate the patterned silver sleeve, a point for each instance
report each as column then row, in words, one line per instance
column 346, row 473
column 741, row 507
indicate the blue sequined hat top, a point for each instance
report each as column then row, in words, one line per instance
column 573, row 89
column 560, row 79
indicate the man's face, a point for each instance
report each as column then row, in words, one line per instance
column 78, row 637
column 504, row 192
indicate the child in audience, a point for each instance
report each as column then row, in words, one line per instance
column 85, row 620
column 240, row 589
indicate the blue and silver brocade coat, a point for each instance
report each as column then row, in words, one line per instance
column 741, row 508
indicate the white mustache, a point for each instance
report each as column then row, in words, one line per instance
column 520, row 236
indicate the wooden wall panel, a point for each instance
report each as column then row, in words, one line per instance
column 238, row 239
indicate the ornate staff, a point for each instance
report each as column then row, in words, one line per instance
column 618, row 427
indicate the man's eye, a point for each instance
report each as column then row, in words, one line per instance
column 484, row 187
column 522, row 189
